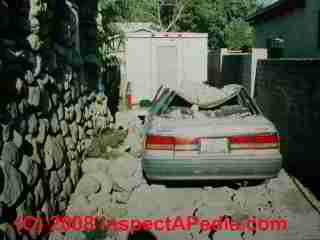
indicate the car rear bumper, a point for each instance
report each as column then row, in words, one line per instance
column 231, row 167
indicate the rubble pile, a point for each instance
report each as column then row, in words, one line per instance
column 235, row 111
column 115, row 187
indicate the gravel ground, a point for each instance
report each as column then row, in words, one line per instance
column 116, row 187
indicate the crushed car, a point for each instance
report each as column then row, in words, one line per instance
column 199, row 132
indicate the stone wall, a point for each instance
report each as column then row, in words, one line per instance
column 288, row 92
column 49, row 111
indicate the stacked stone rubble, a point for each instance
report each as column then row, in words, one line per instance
column 47, row 113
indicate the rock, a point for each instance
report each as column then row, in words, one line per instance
column 104, row 179
column 74, row 172
column 90, row 132
column 54, row 123
column 54, row 152
column 88, row 185
column 20, row 85
column 100, row 199
column 74, row 93
column 23, row 127
column 34, row 96
column 10, row 154
column 49, row 162
column 34, row 41
column 78, row 113
column 62, row 205
column 64, row 128
column 66, row 85
column 17, row 139
column 45, row 101
column 39, row 194
column 60, row 112
column 67, row 186
column 71, row 145
column 7, row 132
column 54, row 183
column 67, row 97
column 125, row 166
column 86, row 143
column 93, row 109
column 74, row 132
column 93, row 165
column 13, row 185
column 70, row 113
column 29, row 77
column 92, row 97
column 53, row 203
column 72, row 155
column 62, row 173
column 23, row 106
column 30, row 170
column 7, row 232
column 87, row 115
column 121, row 197
column 89, row 124
column 126, row 184
column 55, row 100
column 80, row 206
column 12, row 110
column 32, row 124
column 43, row 129
column 31, row 148
column 61, row 157
column 81, row 133
column 100, row 123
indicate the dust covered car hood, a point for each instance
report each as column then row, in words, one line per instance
column 206, row 96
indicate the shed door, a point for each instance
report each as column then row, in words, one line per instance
column 167, row 65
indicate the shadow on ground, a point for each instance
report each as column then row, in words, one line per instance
column 206, row 183
column 304, row 167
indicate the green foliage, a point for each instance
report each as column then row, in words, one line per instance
column 213, row 17
column 238, row 34
column 44, row 16
column 223, row 20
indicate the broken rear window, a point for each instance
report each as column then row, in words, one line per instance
column 179, row 108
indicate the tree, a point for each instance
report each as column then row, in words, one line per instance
column 238, row 34
column 213, row 17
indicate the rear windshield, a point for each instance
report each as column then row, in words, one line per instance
column 238, row 106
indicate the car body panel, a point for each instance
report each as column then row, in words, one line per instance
column 232, row 164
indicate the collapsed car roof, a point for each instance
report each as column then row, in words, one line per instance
column 205, row 96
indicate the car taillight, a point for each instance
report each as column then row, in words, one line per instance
column 254, row 142
column 185, row 144
column 155, row 142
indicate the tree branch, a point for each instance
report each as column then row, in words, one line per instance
column 159, row 14
column 174, row 21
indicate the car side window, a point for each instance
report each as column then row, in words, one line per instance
column 248, row 102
